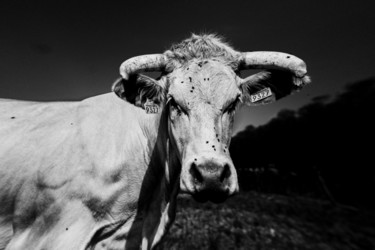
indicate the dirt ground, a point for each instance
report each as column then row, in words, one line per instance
column 253, row 220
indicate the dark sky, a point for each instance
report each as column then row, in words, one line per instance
column 69, row 50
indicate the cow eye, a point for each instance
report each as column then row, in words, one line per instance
column 232, row 107
column 174, row 105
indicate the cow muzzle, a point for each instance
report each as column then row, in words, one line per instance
column 213, row 180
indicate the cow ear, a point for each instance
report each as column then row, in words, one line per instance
column 269, row 86
column 139, row 89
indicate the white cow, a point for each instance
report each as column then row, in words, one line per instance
column 104, row 173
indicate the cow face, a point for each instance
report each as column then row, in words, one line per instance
column 202, row 98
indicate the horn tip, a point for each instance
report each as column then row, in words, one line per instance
column 302, row 81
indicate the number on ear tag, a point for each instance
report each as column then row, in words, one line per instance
column 264, row 93
column 151, row 107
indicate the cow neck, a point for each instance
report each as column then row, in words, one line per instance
column 163, row 161
column 154, row 178
column 157, row 199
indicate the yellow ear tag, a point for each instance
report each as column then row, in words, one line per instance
column 151, row 107
column 262, row 94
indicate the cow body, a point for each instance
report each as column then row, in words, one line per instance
column 104, row 173
column 72, row 171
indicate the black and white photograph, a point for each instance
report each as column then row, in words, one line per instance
column 192, row 125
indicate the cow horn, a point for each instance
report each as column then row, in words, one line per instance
column 273, row 60
column 153, row 62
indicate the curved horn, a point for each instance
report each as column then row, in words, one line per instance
column 276, row 60
column 153, row 62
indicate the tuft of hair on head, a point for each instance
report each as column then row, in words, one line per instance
column 203, row 46
column 302, row 81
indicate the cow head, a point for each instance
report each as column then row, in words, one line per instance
column 201, row 88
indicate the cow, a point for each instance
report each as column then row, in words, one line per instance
column 104, row 172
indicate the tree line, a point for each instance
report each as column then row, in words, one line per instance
column 324, row 149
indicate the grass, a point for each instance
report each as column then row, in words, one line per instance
column 258, row 221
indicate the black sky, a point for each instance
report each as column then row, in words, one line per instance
column 68, row 50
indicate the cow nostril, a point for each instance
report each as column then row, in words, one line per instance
column 197, row 176
column 225, row 174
